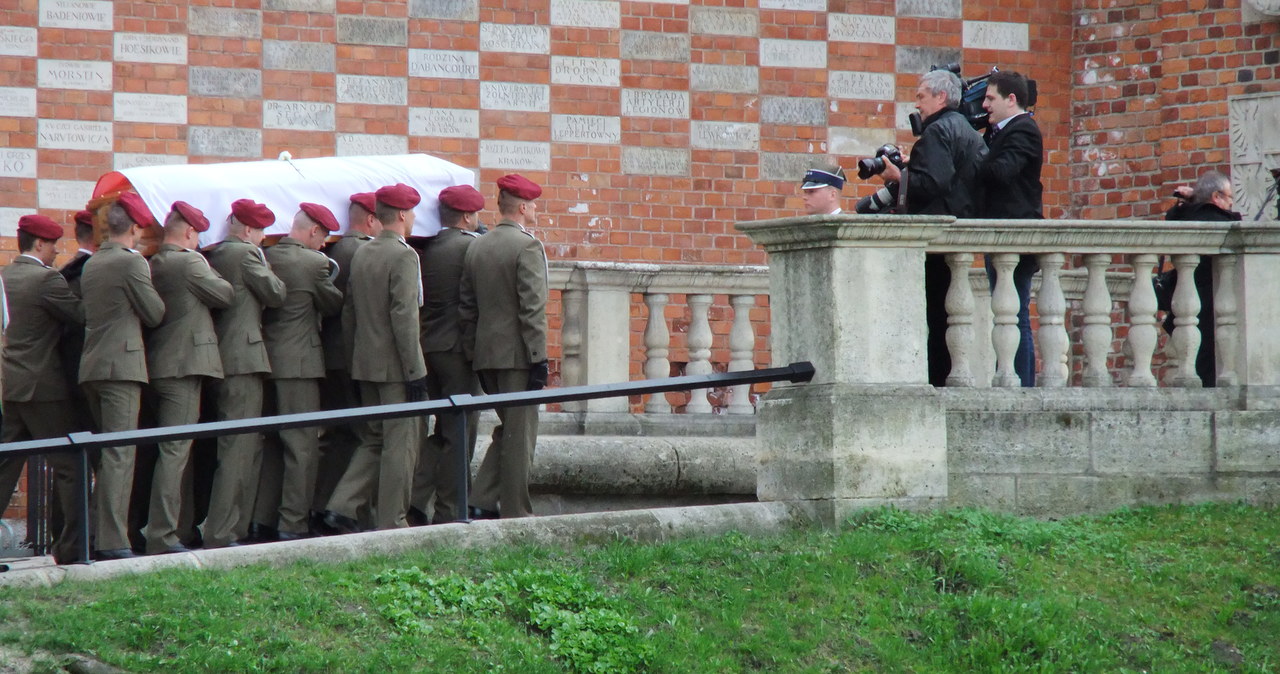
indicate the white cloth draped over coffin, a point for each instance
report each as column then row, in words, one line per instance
column 282, row 185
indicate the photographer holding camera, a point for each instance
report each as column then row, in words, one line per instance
column 938, row 180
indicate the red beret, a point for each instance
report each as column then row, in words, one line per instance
column 520, row 186
column 193, row 216
column 367, row 201
column 399, row 196
column 252, row 214
column 463, row 198
column 136, row 209
column 41, row 226
column 84, row 218
column 320, row 215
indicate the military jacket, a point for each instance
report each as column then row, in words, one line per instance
column 239, row 326
column 441, row 259
column 503, row 299
column 119, row 300
column 337, row 353
column 185, row 343
column 40, row 305
column 293, row 329
column 380, row 314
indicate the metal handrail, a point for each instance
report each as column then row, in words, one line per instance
column 85, row 442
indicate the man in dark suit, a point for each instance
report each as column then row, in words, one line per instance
column 380, row 315
column 119, row 299
column 287, row 483
column 181, row 352
column 88, row 245
column 444, row 453
column 240, row 261
column 502, row 304
column 1009, row 180
column 36, row 390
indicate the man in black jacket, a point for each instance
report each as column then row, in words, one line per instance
column 939, row 180
column 1009, row 183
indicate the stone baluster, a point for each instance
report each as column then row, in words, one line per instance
column 959, row 303
column 1226, row 318
column 699, row 342
column 1186, row 321
column 1052, row 307
column 1142, row 321
column 1004, row 333
column 657, row 346
column 742, row 347
column 1097, row 321
column 573, row 303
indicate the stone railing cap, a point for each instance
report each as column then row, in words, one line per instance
column 845, row 231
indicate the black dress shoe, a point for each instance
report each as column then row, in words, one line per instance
column 332, row 524
column 291, row 536
column 261, row 533
column 173, row 550
column 477, row 513
column 113, row 554
column 415, row 517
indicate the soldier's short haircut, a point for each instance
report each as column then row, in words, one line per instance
column 1208, row 183
column 84, row 232
column 118, row 221
column 508, row 203
column 26, row 241
column 386, row 214
column 173, row 222
column 356, row 213
column 449, row 216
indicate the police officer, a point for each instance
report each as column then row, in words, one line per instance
column 181, row 352
column 503, row 301
column 119, row 299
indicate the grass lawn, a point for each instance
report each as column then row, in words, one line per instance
column 1174, row 589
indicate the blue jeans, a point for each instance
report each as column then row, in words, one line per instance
column 1024, row 361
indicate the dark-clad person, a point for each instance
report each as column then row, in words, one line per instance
column 36, row 391
column 1010, row 188
column 337, row 443
column 503, row 300
column 287, row 483
column 240, row 261
column 87, row 245
column 181, row 353
column 381, row 317
column 119, row 299
column 448, row 370
column 72, row 343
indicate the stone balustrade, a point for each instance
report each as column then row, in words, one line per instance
column 596, row 305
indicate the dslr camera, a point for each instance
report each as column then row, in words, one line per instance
column 886, row 198
column 874, row 166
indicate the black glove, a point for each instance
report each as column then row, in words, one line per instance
column 537, row 376
column 415, row 391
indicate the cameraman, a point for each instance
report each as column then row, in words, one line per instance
column 1009, row 185
column 939, row 181
column 1209, row 200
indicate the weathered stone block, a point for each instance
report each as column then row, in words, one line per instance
column 225, row 82
column 308, row 56
column 298, row 115
column 655, row 161
column 644, row 45
column 1247, row 441
column 920, row 59
column 843, row 140
column 990, row 492
column 731, row 79
column 316, row 6
column 586, row 13
column 499, row 37
column 372, row 30
column 224, row 22
column 788, row 166
column 373, row 90
column 449, row 10
column 150, row 108
column 719, row 21
column 9, row 219
column 793, row 111
column 1018, row 442
column 363, row 144
column 996, row 35
column 224, row 142
column 1156, row 442
column 724, row 135
column 861, row 28
column 942, row 9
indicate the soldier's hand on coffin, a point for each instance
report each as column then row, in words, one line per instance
column 415, row 391
column 538, row 373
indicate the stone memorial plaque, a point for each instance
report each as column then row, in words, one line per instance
column 298, row 115
column 444, row 123
column 9, row 219
column 655, row 103
column 289, row 55
column 858, row 142
column 796, row 5
column 443, row 64
column 862, row 28
column 150, row 108
column 586, row 129
column 89, row 75
column 17, row 102
column 655, row 161
column 788, row 166
column 920, row 59
column 731, row 79
column 793, row 53
column 373, row 90
column 793, row 111
column 449, row 10
column 941, row 9
column 586, row 71
column 224, row 82
column 516, row 39
column 372, row 30
column 586, row 13
column 997, row 35
column 515, row 96
column 646, row 46
column 724, row 135
column 17, row 162
column 211, row 141
column 902, row 115
column 515, row 155
column 717, row 21
column 364, row 144
column 224, row 22
column 127, row 160
column 72, row 134
column 860, row 85
column 317, row 6
column 18, row 41
column 148, row 48
column 66, row 195
column 77, row 14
